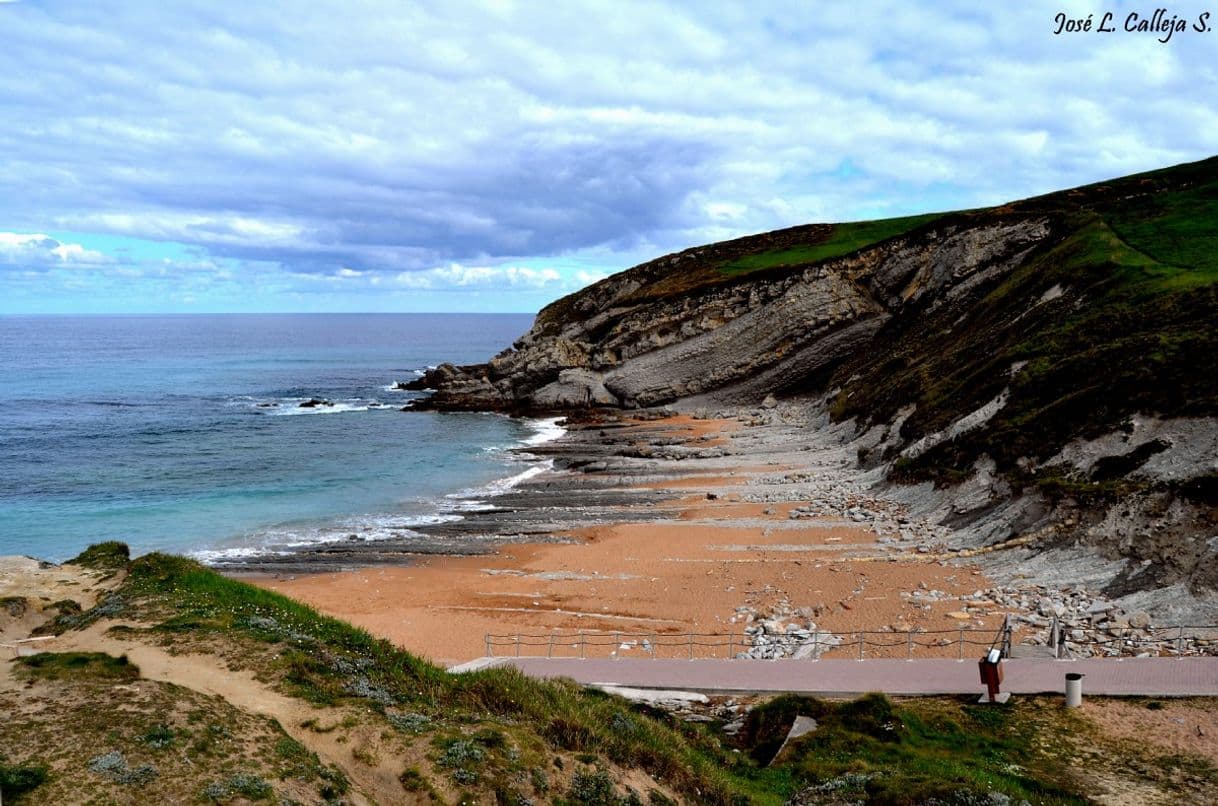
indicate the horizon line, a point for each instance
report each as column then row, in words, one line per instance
column 274, row 313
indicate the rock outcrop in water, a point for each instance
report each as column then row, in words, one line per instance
column 1045, row 363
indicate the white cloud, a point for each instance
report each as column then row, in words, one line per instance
column 28, row 250
column 216, row 230
column 455, row 276
column 388, row 139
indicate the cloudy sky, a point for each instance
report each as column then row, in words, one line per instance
column 495, row 155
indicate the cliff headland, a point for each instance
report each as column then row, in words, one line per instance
column 1034, row 375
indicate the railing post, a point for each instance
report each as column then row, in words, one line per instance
column 1053, row 637
column 581, row 644
column 617, row 650
column 909, row 645
column 815, row 644
column 550, row 647
column 860, row 644
column 490, row 646
column 653, row 646
column 731, row 646
column 960, row 655
column 518, row 645
column 1180, row 643
column 691, row 646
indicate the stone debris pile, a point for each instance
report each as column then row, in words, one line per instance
column 831, row 499
column 1090, row 625
column 783, row 633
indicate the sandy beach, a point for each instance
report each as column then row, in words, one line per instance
column 708, row 561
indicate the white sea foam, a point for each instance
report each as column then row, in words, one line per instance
column 290, row 408
column 547, row 430
column 393, row 387
column 208, row 556
column 471, row 500
column 281, row 540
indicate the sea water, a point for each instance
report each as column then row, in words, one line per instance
column 186, row 434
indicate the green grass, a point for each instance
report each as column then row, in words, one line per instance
column 328, row 662
column 78, row 666
column 17, row 780
column 1177, row 230
column 109, row 555
column 496, row 732
column 15, row 606
column 922, row 751
column 843, row 239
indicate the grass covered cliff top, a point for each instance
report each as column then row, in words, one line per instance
column 1168, row 215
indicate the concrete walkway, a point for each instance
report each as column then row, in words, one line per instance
column 1154, row 677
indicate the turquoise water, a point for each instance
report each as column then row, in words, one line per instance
column 184, row 433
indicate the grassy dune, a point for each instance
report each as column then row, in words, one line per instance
column 365, row 710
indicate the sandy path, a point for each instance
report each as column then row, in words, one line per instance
column 206, row 674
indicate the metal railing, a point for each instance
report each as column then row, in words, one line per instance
column 1180, row 641
column 959, row 643
column 691, row 646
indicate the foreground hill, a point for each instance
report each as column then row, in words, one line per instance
column 1045, row 364
column 168, row 683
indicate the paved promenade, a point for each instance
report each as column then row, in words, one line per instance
column 1157, row 677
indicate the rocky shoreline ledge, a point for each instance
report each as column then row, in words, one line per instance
column 643, row 468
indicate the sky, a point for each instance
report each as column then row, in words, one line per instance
column 496, row 155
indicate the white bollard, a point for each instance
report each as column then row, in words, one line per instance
column 1074, row 690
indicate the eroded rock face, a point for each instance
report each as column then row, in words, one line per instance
column 621, row 343
column 991, row 364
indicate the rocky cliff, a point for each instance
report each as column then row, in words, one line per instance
column 636, row 340
column 1056, row 350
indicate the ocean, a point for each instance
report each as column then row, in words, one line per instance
column 185, row 433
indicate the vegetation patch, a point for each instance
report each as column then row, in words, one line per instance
column 78, row 666
column 841, row 240
column 113, row 765
column 241, row 785
column 15, row 606
column 159, row 737
column 923, row 751
column 596, row 788
column 18, row 779
column 410, row 722
column 70, row 617
column 109, row 556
